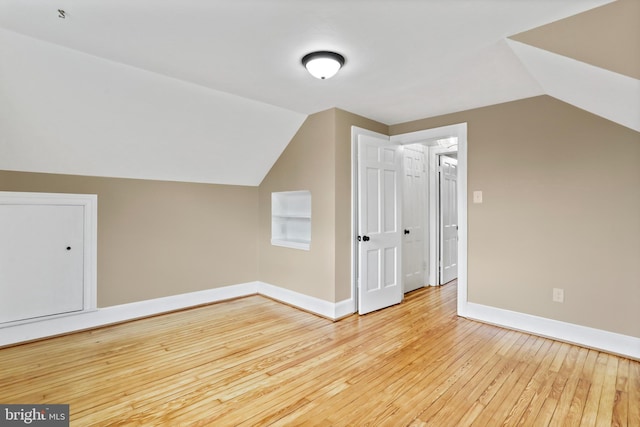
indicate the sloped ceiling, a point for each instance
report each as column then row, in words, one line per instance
column 590, row 60
column 202, row 91
column 607, row 37
column 62, row 111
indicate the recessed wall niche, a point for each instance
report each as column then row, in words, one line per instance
column 291, row 219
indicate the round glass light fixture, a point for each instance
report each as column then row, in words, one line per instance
column 323, row 65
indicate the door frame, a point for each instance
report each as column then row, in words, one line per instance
column 460, row 132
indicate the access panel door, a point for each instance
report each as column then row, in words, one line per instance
column 41, row 260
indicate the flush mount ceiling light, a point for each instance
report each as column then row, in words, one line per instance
column 323, row 65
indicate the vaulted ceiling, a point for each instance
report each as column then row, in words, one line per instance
column 212, row 91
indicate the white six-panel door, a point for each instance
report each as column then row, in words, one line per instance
column 448, row 219
column 414, row 216
column 379, row 248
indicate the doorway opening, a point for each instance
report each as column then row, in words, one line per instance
column 430, row 214
column 425, row 159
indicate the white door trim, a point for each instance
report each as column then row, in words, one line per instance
column 459, row 131
column 89, row 202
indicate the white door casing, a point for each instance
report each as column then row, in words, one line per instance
column 448, row 233
column 459, row 132
column 414, row 214
column 379, row 233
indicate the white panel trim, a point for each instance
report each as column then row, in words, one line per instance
column 73, row 322
column 611, row 342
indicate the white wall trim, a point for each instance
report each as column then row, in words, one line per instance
column 119, row 313
column 344, row 308
column 611, row 342
column 314, row 305
column 73, row 322
column 581, row 335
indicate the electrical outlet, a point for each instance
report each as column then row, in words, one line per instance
column 558, row 295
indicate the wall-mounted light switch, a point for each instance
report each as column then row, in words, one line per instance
column 477, row 197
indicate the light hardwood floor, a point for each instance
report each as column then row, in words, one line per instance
column 253, row 361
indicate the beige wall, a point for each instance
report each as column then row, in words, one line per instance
column 158, row 238
column 561, row 209
column 306, row 164
column 317, row 159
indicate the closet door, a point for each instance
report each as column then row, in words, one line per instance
column 41, row 260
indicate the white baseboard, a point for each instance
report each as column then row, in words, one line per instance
column 318, row 306
column 345, row 308
column 119, row 313
column 589, row 337
column 611, row 342
column 29, row 331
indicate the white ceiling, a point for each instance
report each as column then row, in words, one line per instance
column 212, row 91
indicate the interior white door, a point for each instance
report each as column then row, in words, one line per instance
column 448, row 219
column 379, row 234
column 41, row 260
column 413, row 216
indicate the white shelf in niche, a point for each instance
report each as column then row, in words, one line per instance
column 291, row 219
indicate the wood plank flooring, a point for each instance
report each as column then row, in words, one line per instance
column 253, row 361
